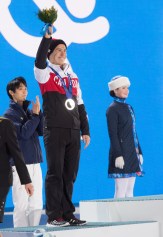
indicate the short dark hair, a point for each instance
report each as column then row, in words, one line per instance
column 15, row 84
column 112, row 93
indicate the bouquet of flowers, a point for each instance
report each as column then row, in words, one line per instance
column 48, row 15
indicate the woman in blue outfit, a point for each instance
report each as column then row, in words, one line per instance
column 125, row 155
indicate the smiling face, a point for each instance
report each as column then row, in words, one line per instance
column 58, row 55
column 122, row 92
column 20, row 94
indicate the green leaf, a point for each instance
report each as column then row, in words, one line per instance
column 48, row 15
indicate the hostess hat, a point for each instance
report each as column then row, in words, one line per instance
column 54, row 44
column 118, row 81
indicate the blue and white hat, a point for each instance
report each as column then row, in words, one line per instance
column 118, row 81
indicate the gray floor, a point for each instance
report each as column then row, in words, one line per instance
column 7, row 234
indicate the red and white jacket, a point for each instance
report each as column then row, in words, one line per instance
column 54, row 95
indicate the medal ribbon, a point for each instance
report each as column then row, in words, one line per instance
column 67, row 90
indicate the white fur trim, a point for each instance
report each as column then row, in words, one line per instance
column 119, row 82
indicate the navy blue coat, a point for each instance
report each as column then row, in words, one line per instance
column 29, row 127
column 120, row 129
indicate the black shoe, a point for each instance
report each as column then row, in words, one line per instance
column 76, row 222
column 58, row 222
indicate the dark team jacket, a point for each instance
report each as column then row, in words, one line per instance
column 54, row 96
column 120, row 129
column 9, row 147
column 28, row 127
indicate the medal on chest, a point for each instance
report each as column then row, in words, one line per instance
column 70, row 104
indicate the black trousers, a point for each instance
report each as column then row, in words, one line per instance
column 62, row 153
column 3, row 194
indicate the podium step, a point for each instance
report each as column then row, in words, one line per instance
column 123, row 229
column 144, row 208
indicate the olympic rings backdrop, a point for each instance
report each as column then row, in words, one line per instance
column 105, row 38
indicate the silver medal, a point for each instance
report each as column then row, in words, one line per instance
column 70, row 104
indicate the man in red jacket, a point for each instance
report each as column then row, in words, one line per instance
column 65, row 123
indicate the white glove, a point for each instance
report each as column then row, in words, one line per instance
column 141, row 159
column 119, row 162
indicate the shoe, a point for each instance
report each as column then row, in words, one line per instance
column 58, row 222
column 76, row 222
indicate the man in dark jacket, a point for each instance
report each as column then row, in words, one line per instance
column 9, row 147
column 29, row 125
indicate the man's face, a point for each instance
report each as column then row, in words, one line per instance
column 20, row 94
column 58, row 55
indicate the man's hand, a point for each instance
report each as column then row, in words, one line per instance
column 49, row 32
column 86, row 140
column 29, row 189
column 36, row 106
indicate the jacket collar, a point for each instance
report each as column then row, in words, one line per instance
column 26, row 103
column 66, row 69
